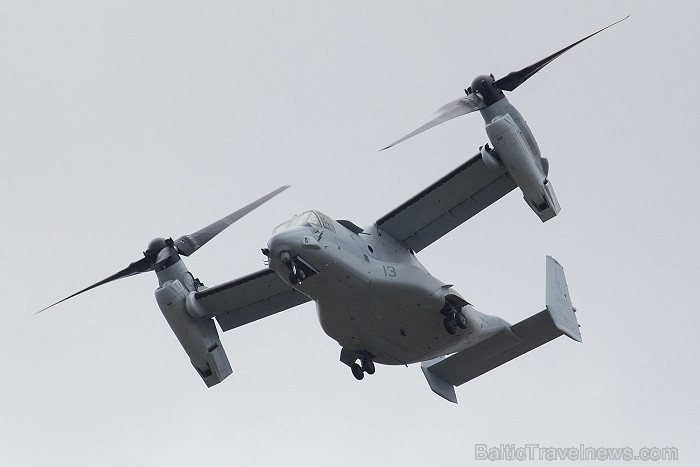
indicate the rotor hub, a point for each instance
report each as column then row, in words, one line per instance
column 166, row 258
column 485, row 86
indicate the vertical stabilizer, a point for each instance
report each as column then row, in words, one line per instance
column 559, row 304
column 439, row 386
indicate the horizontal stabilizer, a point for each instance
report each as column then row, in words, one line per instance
column 511, row 342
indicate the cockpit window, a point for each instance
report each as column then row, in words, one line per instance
column 306, row 218
column 280, row 228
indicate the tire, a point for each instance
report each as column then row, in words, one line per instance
column 357, row 371
column 462, row 320
column 450, row 325
column 368, row 366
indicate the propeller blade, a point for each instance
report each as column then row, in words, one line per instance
column 188, row 244
column 515, row 78
column 454, row 109
column 134, row 268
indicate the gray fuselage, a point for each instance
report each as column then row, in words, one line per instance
column 372, row 294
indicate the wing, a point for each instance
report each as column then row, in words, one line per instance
column 250, row 298
column 447, row 203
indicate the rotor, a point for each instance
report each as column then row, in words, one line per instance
column 162, row 253
column 485, row 90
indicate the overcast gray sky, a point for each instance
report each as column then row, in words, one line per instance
column 123, row 121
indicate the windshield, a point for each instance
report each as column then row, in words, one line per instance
column 306, row 218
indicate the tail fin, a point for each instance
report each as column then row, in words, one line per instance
column 559, row 304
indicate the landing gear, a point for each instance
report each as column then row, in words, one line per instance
column 450, row 324
column 453, row 318
column 462, row 320
column 367, row 365
column 357, row 371
column 297, row 275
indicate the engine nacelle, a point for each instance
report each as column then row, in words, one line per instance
column 198, row 336
column 526, row 169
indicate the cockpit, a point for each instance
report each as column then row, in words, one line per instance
column 310, row 218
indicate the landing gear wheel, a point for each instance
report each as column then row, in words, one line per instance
column 357, row 371
column 461, row 320
column 450, row 325
column 293, row 279
column 297, row 275
column 368, row 366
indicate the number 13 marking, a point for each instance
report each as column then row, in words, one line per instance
column 389, row 271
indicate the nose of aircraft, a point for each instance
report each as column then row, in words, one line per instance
column 292, row 254
column 283, row 246
column 290, row 243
